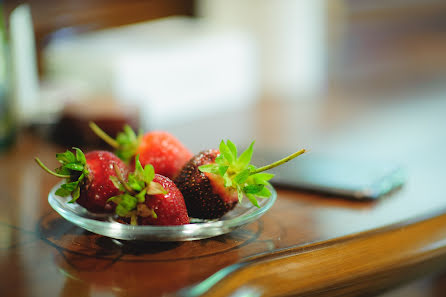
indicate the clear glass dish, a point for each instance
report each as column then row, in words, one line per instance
column 104, row 224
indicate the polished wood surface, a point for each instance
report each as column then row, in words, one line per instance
column 306, row 245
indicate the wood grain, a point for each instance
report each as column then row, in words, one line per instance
column 361, row 263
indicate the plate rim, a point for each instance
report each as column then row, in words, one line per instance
column 187, row 232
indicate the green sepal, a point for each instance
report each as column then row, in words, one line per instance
column 253, row 200
column 264, row 193
column 127, row 204
column 115, row 199
column 214, row 168
column 210, row 168
column 154, row 215
column 238, row 173
column 226, row 152
column 141, row 196
column 128, row 142
column 70, row 187
column 233, row 148
column 227, row 181
column 80, row 157
column 149, row 173
column 62, row 192
column 139, row 184
column 135, row 183
column 245, row 157
column 117, row 183
column 63, row 170
column 74, row 166
column 222, row 170
column 66, row 158
column 75, row 194
column 241, row 177
column 262, row 178
column 253, row 189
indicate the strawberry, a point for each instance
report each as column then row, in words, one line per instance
column 149, row 199
column 214, row 181
column 88, row 178
column 159, row 148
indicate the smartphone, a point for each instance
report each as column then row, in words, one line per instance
column 334, row 175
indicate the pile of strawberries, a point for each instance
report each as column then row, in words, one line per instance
column 153, row 179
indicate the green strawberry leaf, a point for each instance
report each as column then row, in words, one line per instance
column 63, row 170
column 264, row 193
column 253, row 189
column 139, row 184
column 222, row 170
column 227, row 181
column 226, row 152
column 70, row 187
column 149, row 173
column 241, row 177
column 245, row 157
column 262, row 178
column 220, row 160
column 73, row 169
column 62, row 192
column 253, row 200
column 75, row 194
column 117, row 183
column 127, row 143
column 135, row 183
column 74, row 166
column 65, row 158
column 141, row 196
column 126, row 205
column 80, row 157
column 238, row 174
column 210, row 168
column 233, row 149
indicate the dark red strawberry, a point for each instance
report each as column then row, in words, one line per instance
column 214, row 181
column 204, row 193
column 88, row 178
column 149, row 199
column 159, row 148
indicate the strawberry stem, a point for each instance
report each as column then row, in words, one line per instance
column 49, row 170
column 279, row 162
column 104, row 136
column 122, row 181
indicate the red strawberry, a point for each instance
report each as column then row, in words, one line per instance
column 159, row 148
column 88, row 178
column 169, row 208
column 166, row 153
column 213, row 181
column 150, row 199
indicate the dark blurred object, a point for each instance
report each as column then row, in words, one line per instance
column 72, row 128
column 336, row 176
column 7, row 126
column 49, row 16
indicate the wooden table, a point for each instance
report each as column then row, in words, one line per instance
column 306, row 245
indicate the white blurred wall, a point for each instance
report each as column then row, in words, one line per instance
column 291, row 35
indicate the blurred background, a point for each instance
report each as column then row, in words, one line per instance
column 163, row 63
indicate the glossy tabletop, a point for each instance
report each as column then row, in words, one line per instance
column 307, row 244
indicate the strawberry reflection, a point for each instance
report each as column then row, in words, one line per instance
column 94, row 264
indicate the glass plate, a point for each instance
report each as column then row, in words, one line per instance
column 104, row 224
